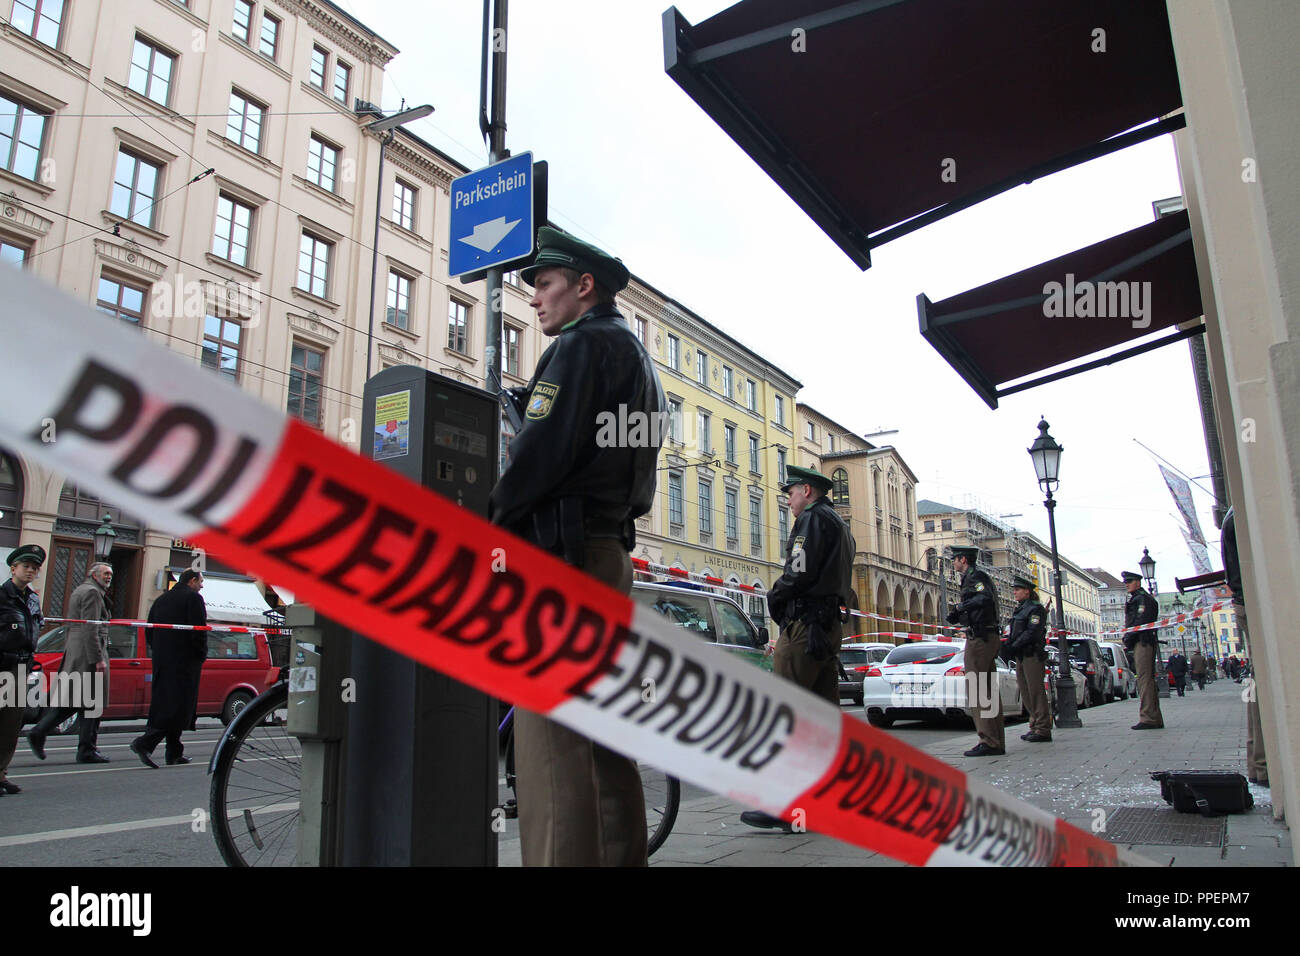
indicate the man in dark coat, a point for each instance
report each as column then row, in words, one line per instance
column 177, row 663
column 1197, row 669
column 1177, row 666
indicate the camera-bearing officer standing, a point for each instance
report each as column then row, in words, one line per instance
column 1027, row 645
column 978, row 613
column 1141, row 645
column 805, row 601
column 570, row 493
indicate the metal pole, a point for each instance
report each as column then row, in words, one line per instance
column 374, row 252
column 1067, row 711
column 498, row 152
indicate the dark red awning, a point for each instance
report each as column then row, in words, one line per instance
column 858, row 126
column 1088, row 301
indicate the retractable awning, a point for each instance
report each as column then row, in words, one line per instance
column 880, row 116
column 1121, row 290
column 233, row 602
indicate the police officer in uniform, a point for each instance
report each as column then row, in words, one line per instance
column 1141, row 646
column 978, row 613
column 806, row 600
column 1027, row 645
column 20, row 623
column 573, row 491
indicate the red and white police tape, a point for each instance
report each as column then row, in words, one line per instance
column 225, row 629
column 195, row 455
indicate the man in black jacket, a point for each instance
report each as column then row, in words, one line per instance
column 806, row 600
column 1027, row 645
column 978, row 613
column 581, row 471
column 1177, row 666
column 1141, row 645
column 177, row 664
column 20, row 623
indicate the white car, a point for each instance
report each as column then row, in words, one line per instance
column 926, row 681
column 1121, row 668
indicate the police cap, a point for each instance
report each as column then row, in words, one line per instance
column 970, row 554
column 1019, row 581
column 1130, row 576
column 559, row 249
column 27, row 552
column 794, row 475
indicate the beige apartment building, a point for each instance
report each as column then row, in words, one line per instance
column 874, row 490
column 1080, row 588
column 200, row 172
column 1004, row 551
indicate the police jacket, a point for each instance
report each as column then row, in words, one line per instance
column 593, row 423
column 818, row 565
column 1028, row 628
column 20, row 623
column 1140, row 609
column 978, row 609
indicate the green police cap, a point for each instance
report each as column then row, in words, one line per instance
column 27, row 552
column 556, row 248
column 1018, row 581
column 794, row 475
column 970, row 554
column 1130, row 576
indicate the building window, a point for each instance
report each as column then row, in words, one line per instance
column 755, row 525
column 322, row 162
column 12, row 253
column 674, row 353
column 234, row 229
column 270, row 36
column 638, row 326
column 729, row 442
column 151, row 71
column 243, row 20
column 674, row 498
column 730, row 498
column 120, row 299
column 780, row 410
column 221, row 346
column 512, row 337
column 21, row 130
column 314, row 265
column 840, row 487
column 674, row 420
column 947, row 524
column 458, row 327
column 404, row 205
column 342, row 77
column 751, row 395
column 753, row 454
column 318, row 58
column 40, row 19
column 702, row 368
column 780, row 466
column 783, row 526
column 135, row 188
column 929, row 526
column 244, row 123
column 399, row 301
column 703, row 434
column 831, row 440
column 812, row 432
column 306, row 373
column 706, row 508
column 726, row 382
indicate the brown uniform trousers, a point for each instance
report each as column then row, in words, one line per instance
column 1029, row 675
column 790, row 659
column 1144, row 662
column 580, row 804
column 11, row 719
column 981, row 659
column 1256, row 764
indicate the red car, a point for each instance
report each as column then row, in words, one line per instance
column 239, row 667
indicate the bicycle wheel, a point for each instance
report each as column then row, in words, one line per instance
column 255, row 785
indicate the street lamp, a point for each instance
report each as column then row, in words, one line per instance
column 1046, row 455
column 1148, row 568
column 104, row 537
column 388, row 125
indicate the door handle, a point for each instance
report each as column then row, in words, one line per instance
column 134, row 664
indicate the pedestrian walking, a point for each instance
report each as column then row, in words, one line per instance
column 1141, row 646
column 1256, row 759
column 1197, row 668
column 85, row 655
column 1234, row 668
column 806, row 600
column 578, row 497
column 978, row 613
column 1177, row 667
column 177, row 667
column 20, row 624
column 1027, row 646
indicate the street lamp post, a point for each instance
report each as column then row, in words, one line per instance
column 104, row 538
column 1046, row 455
column 388, row 125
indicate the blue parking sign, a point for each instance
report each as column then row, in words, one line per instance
column 491, row 216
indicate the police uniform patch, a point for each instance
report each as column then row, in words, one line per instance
column 798, row 545
column 979, row 587
column 542, row 400
column 1034, row 619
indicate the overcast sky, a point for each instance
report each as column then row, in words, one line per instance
column 637, row 167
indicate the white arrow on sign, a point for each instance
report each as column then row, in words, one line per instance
column 488, row 234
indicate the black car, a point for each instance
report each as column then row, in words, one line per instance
column 1086, row 652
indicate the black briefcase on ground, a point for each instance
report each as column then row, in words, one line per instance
column 1207, row 792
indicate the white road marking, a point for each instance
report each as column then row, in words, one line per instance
column 126, row 826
